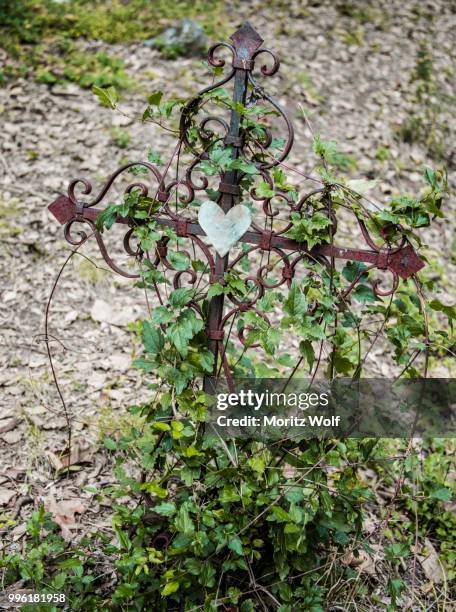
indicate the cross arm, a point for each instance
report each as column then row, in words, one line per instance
column 401, row 261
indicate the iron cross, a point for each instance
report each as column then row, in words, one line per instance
column 245, row 47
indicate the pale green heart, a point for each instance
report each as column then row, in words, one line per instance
column 224, row 230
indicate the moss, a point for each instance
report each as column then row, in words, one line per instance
column 453, row 251
column 41, row 34
column 355, row 37
column 110, row 422
column 305, row 81
column 32, row 21
column 86, row 69
column 382, row 153
column 120, row 138
column 90, row 273
column 9, row 211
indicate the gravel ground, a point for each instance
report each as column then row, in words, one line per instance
column 351, row 73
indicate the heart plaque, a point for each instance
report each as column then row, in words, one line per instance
column 224, row 230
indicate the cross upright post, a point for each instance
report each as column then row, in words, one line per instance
column 245, row 41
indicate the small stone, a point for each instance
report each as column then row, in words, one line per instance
column 12, row 437
column 120, row 361
column 97, row 380
column 186, row 38
column 71, row 316
column 103, row 312
column 69, row 89
column 6, row 495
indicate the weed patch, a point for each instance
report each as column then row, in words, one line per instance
column 41, row 36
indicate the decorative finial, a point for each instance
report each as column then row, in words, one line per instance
column 246, row 40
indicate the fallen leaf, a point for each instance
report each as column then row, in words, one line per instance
column 71, row 316
column 104, row 312
column 363, row 562
column 120, row 361
column 8, row 425
column 430, row 562
column 12, row 437
column 6, row 495
column 81, row 452
column 63, row 513
column 54, row 460
column 366, row 563
column 97, row 380
column 54, row 423
column 37, row 361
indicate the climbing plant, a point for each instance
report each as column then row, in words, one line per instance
column 241, row 524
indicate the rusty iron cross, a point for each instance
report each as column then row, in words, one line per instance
column 245, row 47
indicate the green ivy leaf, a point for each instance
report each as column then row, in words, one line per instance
column 154, row 489
column 441, row 493
column 395, row 586
column 221, row 158
column 448, row 311
column 430, row 177
column 215, row 289
column 180, row 297
column 257, row 463
column 161, row 426
column 154, row 157
column 342, row 364
column 364, row 293
column 154, row 98
column 165, row 509
column 161, row 315
column 183, row 522
column 295, row 304
column 280, row 515
column 153, row 338
column 107, row 218
column 270, row 340
column 110, row 444
column 183, row 329
column 310, row 330
column 263, row 190
column 169, row 588
column 243, row 165
column 107, row 96
column 351, row 270
column 179, row 260
column 235, row 545
column 291, row 528
column 311, row 230
column 204, row 359
column 306, row 349
column 324, row 148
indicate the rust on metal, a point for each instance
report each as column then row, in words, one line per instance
column 404, row 262
column 63, row 209
column 75, row 211
column 246, row 41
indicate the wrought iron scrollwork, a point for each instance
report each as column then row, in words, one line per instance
column 275, row 258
